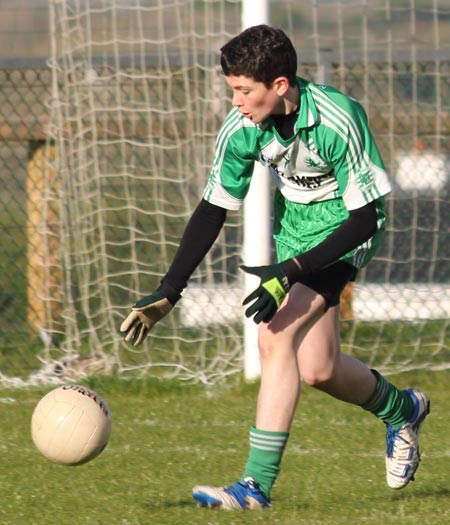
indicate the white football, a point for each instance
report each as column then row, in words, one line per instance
column 71, row 425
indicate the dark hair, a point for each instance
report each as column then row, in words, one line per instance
column 262, row 53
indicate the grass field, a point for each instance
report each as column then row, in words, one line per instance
column 168, row 437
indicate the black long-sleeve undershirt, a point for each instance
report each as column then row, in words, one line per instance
column 199, row 235
column 360, row 225
column 207, row 220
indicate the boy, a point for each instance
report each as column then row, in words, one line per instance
column 329, row 217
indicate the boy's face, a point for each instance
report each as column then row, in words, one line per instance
column 254, row 99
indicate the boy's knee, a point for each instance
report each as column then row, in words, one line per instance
column 266, row 348
column 317, row 376
column 272, row 347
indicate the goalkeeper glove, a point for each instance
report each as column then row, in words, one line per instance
column 276, row 281
column 144, row 314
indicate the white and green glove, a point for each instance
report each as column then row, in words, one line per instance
column 144, row 314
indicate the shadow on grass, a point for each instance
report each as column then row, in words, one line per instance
column 423, row 492
column 163, row 505
column 190, row 503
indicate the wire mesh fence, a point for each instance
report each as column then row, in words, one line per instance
column 122, row 115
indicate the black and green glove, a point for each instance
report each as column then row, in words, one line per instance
column 144, row 314
column 276, row 281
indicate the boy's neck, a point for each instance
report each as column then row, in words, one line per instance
column 291, row 101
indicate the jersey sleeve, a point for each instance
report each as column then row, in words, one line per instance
column 233, row 164
column 358, row 166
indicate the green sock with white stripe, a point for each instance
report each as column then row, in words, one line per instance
column 266, row 451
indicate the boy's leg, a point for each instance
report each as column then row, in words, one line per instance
column 323, row 366
column 403, row 411
column 277, row 400
column 280, row 383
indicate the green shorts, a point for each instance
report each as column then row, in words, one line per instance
column 300, row 227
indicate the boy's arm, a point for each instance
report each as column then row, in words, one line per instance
column 198, row 237
column 200, row 234
column 360, row 225
column 277, row 279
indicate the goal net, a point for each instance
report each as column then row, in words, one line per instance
column 137, row 101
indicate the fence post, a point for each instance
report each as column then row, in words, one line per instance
column 43, row 269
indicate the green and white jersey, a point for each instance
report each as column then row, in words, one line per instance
column 332, row 154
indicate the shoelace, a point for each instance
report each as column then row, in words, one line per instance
column 241, row 489
column 391, row 438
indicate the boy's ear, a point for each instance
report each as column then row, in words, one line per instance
column 281, row 85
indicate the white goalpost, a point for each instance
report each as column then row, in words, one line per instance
column 136, row 103
column 257, row 216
